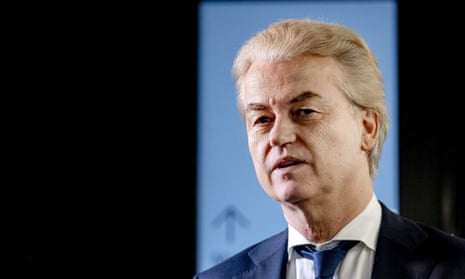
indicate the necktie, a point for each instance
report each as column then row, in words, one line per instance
column 325, row 261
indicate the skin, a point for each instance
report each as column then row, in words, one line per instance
column 308, row 143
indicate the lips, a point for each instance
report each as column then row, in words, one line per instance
column 286, row 162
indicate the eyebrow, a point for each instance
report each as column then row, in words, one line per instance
column 302, row 97
column 299, row 98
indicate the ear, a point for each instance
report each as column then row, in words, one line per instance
column 370, row 129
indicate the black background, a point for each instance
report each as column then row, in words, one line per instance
column 100, row 175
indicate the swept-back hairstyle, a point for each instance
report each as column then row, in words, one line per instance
column 361, row 79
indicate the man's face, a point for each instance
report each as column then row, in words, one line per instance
column 304, row 136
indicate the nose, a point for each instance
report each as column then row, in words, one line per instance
column 283, row 132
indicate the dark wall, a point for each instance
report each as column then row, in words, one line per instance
column 428, row 50
column 100, row 176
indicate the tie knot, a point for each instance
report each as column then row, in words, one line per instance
column 326, row 260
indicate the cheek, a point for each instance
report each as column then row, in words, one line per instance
column 254, row 144
column 338, row 144
column 258, row 153
column 339, row 134
column 256, row 148
column 323, row 138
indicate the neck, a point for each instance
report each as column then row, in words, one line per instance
column 319, row 221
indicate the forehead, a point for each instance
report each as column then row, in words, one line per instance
column 273, row 82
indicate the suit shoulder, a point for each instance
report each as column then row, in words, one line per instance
column 439, row 240
column 229, row 267
column 242, row 261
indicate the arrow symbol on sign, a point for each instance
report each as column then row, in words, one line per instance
column 230, row 216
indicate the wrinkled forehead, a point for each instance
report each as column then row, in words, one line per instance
column 278, row 73
column 283, row 80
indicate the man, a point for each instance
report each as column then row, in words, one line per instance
column 312, row 98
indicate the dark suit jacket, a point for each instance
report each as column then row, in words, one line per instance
column 405, row 249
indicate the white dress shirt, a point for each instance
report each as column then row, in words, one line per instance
column 357, row 263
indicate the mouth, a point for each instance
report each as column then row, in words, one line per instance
column 286, row 162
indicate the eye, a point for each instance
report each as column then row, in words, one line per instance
column 259, row 119
column 263, row 120
column 303, row 112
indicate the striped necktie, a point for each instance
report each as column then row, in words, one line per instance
column 325, row 261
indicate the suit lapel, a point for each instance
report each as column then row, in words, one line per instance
column 397, row 241
column 269, row 258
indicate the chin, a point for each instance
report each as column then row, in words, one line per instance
column 287, row 192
